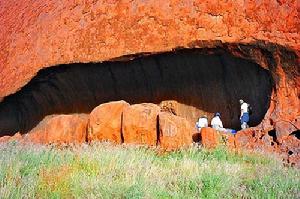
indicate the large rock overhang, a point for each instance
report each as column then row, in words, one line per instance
column 40, row 34
column 190, row 82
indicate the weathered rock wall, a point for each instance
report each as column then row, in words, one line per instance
column 37, row 33
column 197, row 82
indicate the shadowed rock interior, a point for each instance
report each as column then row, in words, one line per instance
column 200, row 82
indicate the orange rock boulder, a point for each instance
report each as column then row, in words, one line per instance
column 210, row 138
column 283, row 129
column 255, row 139
column 16, row 137
column 174, row 131
column 140, row 124
column 59, row 129
column 291, row 148
column 105, row 122
column 245, row 139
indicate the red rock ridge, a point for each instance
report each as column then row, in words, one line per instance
column 36, row 33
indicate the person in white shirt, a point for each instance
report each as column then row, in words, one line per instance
column 202, row 122
column 244, row 117
column 217, row 124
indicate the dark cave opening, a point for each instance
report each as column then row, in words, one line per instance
column 272, row 133
column 296, row 134
column 208, row 82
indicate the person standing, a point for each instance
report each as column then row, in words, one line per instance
column 244, row 117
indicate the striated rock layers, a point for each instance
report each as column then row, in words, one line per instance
column 246, row 49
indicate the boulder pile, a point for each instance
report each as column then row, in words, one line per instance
column 117, row 122
column 152, row 125
column 255, row 140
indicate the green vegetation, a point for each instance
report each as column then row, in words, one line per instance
column 102, row 170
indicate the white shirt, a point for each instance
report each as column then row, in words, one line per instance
column 216, row 122
column 244, row 108
column 202, row 122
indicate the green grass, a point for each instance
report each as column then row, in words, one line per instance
column 102, row 170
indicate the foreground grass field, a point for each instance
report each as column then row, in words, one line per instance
column 105, row 171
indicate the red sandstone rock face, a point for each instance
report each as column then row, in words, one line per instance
column 36, row 34
column 59, row 129
column 210, row 138
column 140, row 124
column 257, row 140
column 105, row 122
column 245, row 139
column 290, row 147
column 183, row 110
column 174, row 131
column 47, row 33
column 283, row 129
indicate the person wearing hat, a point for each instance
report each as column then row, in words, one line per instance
column 202, row 122
column 244, row 117
column 216, row 123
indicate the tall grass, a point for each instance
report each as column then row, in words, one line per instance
column 102, row 170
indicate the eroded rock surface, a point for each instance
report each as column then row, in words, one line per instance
column 36, row 33
column 105, row 122
column 290, row 149
column 60, row 129
column 140, row 124
column 48, row 33
column 210, row 138
column 174, row 131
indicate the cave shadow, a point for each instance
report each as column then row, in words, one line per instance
column 209, row 82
